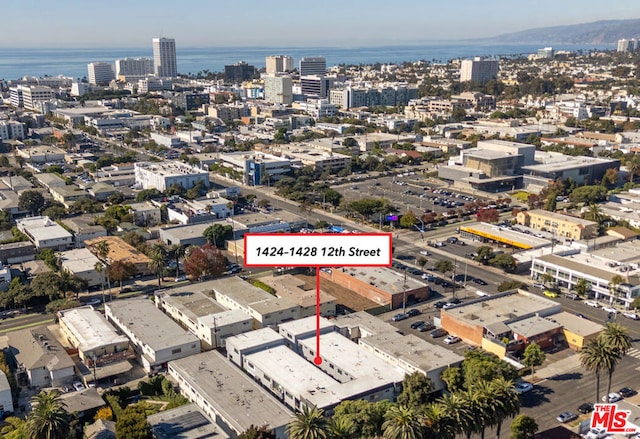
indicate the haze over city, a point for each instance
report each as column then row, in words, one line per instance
column 73, row 23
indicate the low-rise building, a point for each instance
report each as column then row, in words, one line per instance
column 121, row 251
column 83, row 229
column 381, row 285
column 6, row 399
column 578, row 331
column 41, row 360
column 293, row 288
column 228, row 395
column 202, row 315
column 265, row 309
column 67, row 195
column 145, row 214
column 185, row 235
column 45, row 233
column 152, row 175
column 16, row 252
column 82, row 263
column 156, row 338
column 41, row 154
column 186, row 422
column 564, row 226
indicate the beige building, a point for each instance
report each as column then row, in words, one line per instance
column 562, row 225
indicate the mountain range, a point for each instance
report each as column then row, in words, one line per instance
column 598, row 32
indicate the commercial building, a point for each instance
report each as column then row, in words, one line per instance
column 30, row 96
column 319, row 159
column 316, row 65
column 228, row 396
column 491, row 322
column 41, row 154
column 162, row 175
column 82, row 263
column 258, row 168
column 202, row 315
column 120, row 251
column 164, row 57
column 12, row 129
column 355, row 97
column 265, row 309
column 6, row 399
column 278, row 89
column 598, row 268
column 100, row 73
column 279, row 64
column 134, row 67
column 578, row 331
column 485, row 232
column 186, row 422
column 383, row 286
column 156, row 338
column 546, row 53
column 316, row 85
column 239, row 72
column 293, row 288
column 280, row 221
column 44, row 233
column 145, row 214
column 41, row 360
column 478, row 70
column 190, row 101
column 560, row 225
column 97, row 342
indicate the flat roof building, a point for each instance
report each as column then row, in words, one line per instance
column 45, row 233
column 293, row 288
column 228, row 396
column 121, row 251
column 161, row 175
column 157, row 339
column 184, row 422
column 82, row 263
column 485, row 232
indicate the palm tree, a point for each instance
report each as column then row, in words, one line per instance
column 309, row 423
column 341, row 428
column 437, row 423
column 402, row 422
column 99, row 267
column 546, row 278
column 617, row 337
column 614, row 283
column 505, row 392
column 157, row 264
column 458, row 412
column 102, row 249
column 598, row 356
column 582, row 287
column 178, row 251
column 48, row 419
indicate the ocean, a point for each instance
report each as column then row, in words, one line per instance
column 16, row 63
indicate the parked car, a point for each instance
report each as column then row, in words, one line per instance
column 451, row 339
column 428, row 277
column 566, row 417
column 416, row 325
column 631, row 315
column 78, row 385
column 438, row 333
column 612, row 397
column 425, row 253
column 523, row 387
column 539, row 286
column 426, row 327
column 585, row 408
column 592, row 303
column 597, row 433
column 550, row 293
column 610, row 309
column 439, row 304
column 449, row 305
column 398, row 317
column 627, row 392
column 480, row 281
column 455, row 301
column 413, row 312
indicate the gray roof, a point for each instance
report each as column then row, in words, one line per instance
column 29, row 346
column 87, row 399
column 150, row 325
column 532, row 326
column 577, row 325
column 246, row 294
column 240, row 401
column 185, row 422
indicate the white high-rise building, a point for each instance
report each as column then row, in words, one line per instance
column 478, row 70
column 134, row 66
column 34, row 94
column 316, row 65
column 164, row 57
column 278, row 89
column 625, row 45
column 100, row 73
column 279, row 64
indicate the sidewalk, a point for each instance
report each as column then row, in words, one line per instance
column 560, row 367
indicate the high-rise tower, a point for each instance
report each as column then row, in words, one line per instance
column 164, row 57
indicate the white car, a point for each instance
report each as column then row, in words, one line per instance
column 610, row 309
column 631, row 315
column 425, row 253
column 597, row 433
column 592, row 303
column 611, row 397
column 523, row 387
column 451, row 339
column 78, row 385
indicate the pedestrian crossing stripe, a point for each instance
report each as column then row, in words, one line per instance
column 633, row 352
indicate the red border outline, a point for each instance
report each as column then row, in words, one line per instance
column 333, row 235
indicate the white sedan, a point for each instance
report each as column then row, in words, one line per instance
column 611, row 397
column 592, row 303
column 610, row 309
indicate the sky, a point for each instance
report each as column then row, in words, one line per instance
column 286, row 23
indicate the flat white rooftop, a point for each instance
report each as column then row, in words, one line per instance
column 300, row 327
column 256, row 338
column 91, row 328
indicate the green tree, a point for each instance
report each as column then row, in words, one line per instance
column 217, row 234
column 14, row 428
column 614, row 285
column 443, row 266
column 366, row 417
column 523, row 427
column 436, row 422
column 416, row 390
column 261, row 432
column 157, row 264
column 484, row 254
column 48, row 285
column 402, row 422
column 582, row 287
column 458, row 412
column 132, row 423
column 32, row 202
column 49, row 257
column 533, row 356
column 617, row 337
column 408, row 220
column 120, row 271
column 341, row 428
column 178, row 251
column 48, row 418
column 332, row 196
column 309, row 423
column 453, row 378
column 511, row 285
column 504, row 261
column 598, row 356
column 508, row 401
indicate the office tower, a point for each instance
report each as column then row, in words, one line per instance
column 316, row 85
column 547, row 52
column 100, row 73
column 279, row 64
column 478, row 70
column 239, row 72
column 164, row 57
column 625, row 45
column 278, row 89
column 313, row 66
column 134, row 66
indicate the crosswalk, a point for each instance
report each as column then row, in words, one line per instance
column 633, row 352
